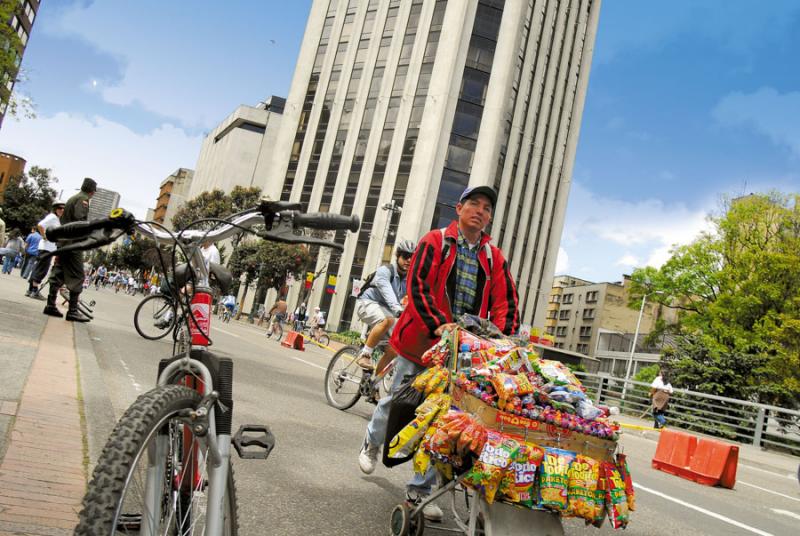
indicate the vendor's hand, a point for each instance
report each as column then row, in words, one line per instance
column 450, row 326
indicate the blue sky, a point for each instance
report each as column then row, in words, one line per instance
column 688, row 101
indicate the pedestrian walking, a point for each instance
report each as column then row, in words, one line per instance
column 453, row 271
column 43, row 264
column 11, row 251
column 31, row 252
column 68, row 268
column 660, row 393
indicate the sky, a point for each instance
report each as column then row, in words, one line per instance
column 688, row 102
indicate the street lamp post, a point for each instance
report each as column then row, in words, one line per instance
column 393, row 208
column 633, row 346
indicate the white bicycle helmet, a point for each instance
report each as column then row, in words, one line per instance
column 405, row 247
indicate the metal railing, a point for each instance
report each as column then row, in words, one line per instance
column 769, row 427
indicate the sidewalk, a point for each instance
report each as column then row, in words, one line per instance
column 42, row 472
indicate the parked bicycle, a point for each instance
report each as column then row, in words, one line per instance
column 166, row 466
column 346, row 382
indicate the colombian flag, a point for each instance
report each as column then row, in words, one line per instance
column 309, row 279
column 331, row 286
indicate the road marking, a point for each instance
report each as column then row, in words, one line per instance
column 786, row 513
column 228, row 333
column 768, row 490
column 704, row 511
column 789, row 476
column 308, row 363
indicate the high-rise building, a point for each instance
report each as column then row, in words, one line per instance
column 102, row 203
column 412, row 101
column 173, row 192
column 21, row 23
column 11, row 165
column 239, row 151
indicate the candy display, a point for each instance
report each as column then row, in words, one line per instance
column 516, row 428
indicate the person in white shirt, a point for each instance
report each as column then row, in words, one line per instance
column 660, row 392
column 210, row 253
column 318, row 323
column 43, row 265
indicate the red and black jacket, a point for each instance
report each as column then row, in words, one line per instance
column 431, row 284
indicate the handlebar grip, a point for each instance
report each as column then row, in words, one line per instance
column 77, row 229
column 327, row 221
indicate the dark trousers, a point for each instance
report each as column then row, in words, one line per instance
column 40, row 271
column 68, row 271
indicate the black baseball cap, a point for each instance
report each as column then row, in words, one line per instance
column 483, row 190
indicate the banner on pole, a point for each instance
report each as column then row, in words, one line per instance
column 331, row 287
column 309, row 279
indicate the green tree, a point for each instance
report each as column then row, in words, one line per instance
column 738, row 290
column 10, row 60
column 28, row 198
column 209, row 204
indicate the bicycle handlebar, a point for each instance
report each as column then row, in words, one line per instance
column 327, row 220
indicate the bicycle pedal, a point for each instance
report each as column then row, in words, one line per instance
column 260, row 445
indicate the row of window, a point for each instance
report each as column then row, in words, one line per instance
column 591, row 297
column 564, row 314
column 561, row 331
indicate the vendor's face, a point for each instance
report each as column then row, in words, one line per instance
column 474, row 213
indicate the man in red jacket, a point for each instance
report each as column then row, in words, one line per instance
column 453, row 271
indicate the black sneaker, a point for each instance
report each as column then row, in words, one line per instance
column 52, row 310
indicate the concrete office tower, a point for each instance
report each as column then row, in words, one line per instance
column 102, row 203
column 411, row 101
column 173, row 192
column 238, row 151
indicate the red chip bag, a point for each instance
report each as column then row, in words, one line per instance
column 616, row 501
column 630, row 494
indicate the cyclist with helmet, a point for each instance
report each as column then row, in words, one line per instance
column 380, row 303
column 43, row 265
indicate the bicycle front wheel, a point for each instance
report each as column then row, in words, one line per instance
column 151, row 476
column 343, row 378
column 154, row 317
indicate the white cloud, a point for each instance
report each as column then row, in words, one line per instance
column 766, row 111
column 562, row 261
column 119, row 159
column 627, row 261
column 605, row 237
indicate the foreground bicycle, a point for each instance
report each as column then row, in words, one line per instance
column 166, row 467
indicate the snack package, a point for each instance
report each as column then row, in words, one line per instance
column 509, row 385
column 517, row 485
column 616, row 501
column 582, row 487
column 487, row 473
column 600, row 498
column 422, row 458
column 433, row 381
column 554, row 479
column 557, row 373
column 407, row 439
column 622, row 467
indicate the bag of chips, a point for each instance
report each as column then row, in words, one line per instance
column 622, row 466
column 510, row 385
column 406, row 441
column 518, row 483
column 487, row 473
column 582, row 486
column 616, row 501
column 600, row 498
column 554, row 479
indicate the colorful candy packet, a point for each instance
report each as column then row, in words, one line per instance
column 630, row 494
column 487, row 473
column 554, row 478
column 518, row 483
column 509, row 385
column 616, row 501
column 582, row 487
column 407, row 439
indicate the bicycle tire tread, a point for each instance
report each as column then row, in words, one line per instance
column 109, row 475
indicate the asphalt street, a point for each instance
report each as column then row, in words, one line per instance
column 311, row 483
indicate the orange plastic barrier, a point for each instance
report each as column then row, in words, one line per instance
column 714, row 463
column 705, row 461
column 674, row 451
column 293, row 340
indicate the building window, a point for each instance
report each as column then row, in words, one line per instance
column 561, row 331
column 583, row 348
column 591, row 297
column 586, row 331
column 550, row 330
column 563, row 315
column 567, row 298
column 588, row 314
column 555, row 298
column 30, row 12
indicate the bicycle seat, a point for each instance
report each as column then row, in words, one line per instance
column 219, row 275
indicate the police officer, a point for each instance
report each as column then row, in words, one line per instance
column 68, row 267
